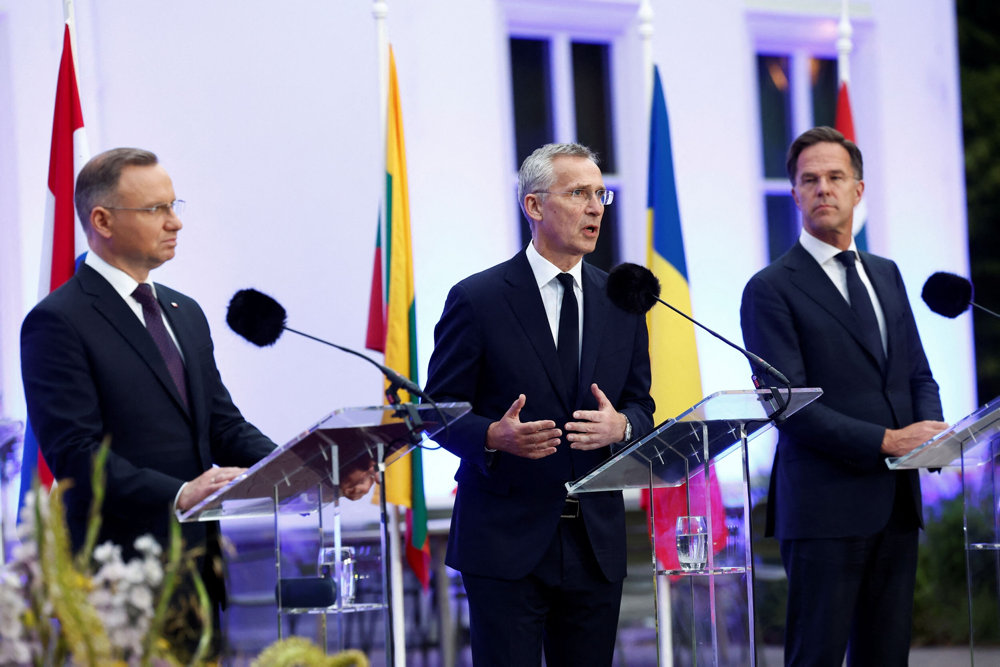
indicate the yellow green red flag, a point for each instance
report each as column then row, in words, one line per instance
column 392, row 325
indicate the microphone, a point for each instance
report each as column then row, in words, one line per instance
column 635, row 290
column 949, row 295
column 260, row 319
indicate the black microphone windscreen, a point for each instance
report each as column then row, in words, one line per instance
column 633, row 288
column 256, row 316
column 947, row 294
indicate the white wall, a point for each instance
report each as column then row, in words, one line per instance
column 266, row 115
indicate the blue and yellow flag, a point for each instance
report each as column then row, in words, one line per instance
column 672, row 350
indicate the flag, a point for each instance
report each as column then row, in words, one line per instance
column 62, row 240
column 672, row 350
column 392, row 325
column 844, row 123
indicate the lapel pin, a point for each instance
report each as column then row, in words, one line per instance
column 173, row 304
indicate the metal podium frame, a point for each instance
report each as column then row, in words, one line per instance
column 677, row 450
column 973, row 445
column 309, row 473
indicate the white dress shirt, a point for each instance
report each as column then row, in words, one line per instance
column 825, row 254
column 551, row 290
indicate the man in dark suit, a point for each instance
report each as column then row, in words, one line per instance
column 831, row 317
column 555, row 374
column 110, row 354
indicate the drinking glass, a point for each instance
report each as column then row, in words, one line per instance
column 692, row 543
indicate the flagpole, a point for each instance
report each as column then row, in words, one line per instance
column 844, row 45
column 664, row 634
column 380, row 10
column 646, row 38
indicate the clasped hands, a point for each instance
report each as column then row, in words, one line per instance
column 538, row 439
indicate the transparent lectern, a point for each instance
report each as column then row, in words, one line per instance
column 339, row 458
column 682, row 451
column 973, row 445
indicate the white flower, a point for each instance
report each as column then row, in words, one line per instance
column 134, row 573
column 141, row 598
column 107, row 552
column 153, row 571
column 15, row 647
column 148, row 546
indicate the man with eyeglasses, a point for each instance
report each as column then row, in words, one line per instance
column 111, row 354
column 555, row 374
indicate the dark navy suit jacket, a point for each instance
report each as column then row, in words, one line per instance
column 91, row 370
column 829, row 477
column 492, row 343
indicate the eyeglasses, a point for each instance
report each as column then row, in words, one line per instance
column 581, row 195
column 177, row 206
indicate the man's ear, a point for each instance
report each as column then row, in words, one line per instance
column 533, row 206
column 100, row 222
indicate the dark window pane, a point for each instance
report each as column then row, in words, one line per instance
column 531, row 81
column 782, row 224
column 605, row 255
column 592, row 96
column 775, row 112
column 823, row 73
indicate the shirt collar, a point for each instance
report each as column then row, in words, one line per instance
column 822, row 251
column 122, row 282
column 545, row 271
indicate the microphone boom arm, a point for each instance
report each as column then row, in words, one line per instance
column 753, row 358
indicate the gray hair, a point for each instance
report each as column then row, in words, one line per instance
column 536, row 173
column 97, row 183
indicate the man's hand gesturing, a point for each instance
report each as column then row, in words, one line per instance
column 533, row 440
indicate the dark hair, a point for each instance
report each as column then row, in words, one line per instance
column 819, row 135
column 97, row 183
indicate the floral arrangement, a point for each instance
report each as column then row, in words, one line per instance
column 95, row 608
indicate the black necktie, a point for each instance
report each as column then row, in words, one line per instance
column 861, row 303
column 569, row 335
column 154, row 325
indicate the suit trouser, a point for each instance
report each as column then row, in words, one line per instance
column 852, row 594
column 565, row 605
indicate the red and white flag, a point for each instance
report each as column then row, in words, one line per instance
column 62, row 240
column 844, row 123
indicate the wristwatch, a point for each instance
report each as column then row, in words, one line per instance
column 628, row 428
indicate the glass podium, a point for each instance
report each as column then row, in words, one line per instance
column 313, row 479
column 683, row 451
column 973, row 445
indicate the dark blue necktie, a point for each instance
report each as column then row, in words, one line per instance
column 861, row 303
column 154, row 325
column 569, row 335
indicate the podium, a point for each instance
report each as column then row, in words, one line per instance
column 319, row 473
column 683, row 451
column 973, row 445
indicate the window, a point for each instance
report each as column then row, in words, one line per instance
column 561, row 89
column 796, row 91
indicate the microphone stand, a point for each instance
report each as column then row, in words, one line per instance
column 757, row 362
column 405, row 411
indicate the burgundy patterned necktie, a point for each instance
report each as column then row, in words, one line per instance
column 154, row 325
